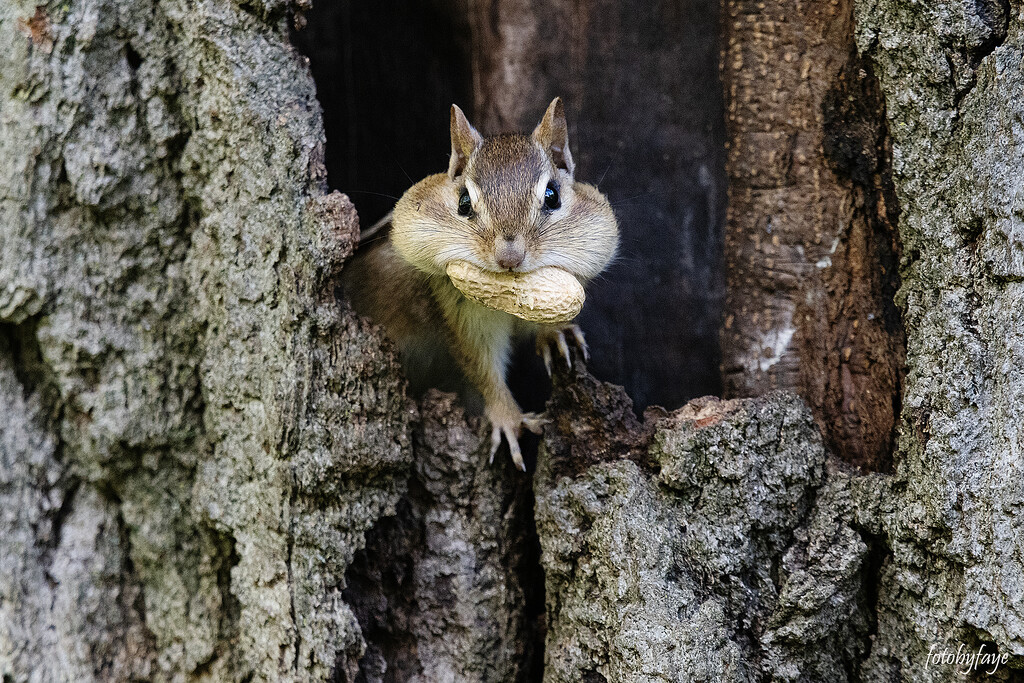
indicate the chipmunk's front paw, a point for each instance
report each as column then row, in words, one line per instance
column 509, row 424
column 549, row 336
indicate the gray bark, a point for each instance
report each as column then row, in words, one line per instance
column 954, row 88
column 209, row 468
column 444, row 590
column 196, row 435
column 722, row 545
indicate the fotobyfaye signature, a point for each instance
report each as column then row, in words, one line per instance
column 966, row 660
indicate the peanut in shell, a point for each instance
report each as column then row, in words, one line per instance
column 545, row 295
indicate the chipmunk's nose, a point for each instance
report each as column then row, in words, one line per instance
column 509, row 252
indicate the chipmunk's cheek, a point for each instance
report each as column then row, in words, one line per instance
column 477, row 256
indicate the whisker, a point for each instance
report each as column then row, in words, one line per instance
column 394, row 157
column 371, row 239
column 404, row 172
column 639, row 196
column 378, row 194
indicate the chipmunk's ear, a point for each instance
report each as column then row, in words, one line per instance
column 465, row 140
column 552, row 133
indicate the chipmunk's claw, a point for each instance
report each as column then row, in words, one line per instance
column 557, row 336
column 510, row 430
column 545, row 353
column 495, row 442
column 563, row 348
column 581, row 342
column 512, row 437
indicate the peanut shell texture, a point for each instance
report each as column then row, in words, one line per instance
column 545, row 295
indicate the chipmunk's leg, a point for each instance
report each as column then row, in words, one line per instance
column 555, row 335
column 481, row 341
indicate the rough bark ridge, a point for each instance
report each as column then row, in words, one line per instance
column 705, row 545
column 954, row 87
column 810, row 251
column 196, row 436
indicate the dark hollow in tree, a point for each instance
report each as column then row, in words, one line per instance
column 651, row 136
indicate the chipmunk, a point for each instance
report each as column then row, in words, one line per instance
column 507, row 203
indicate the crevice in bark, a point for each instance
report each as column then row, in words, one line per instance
column 37, row 382
column 227, row 558
column 379, row 587
column 290, row 556
column 858, row 147
column 31, row 370
column 531, row 575
column 407, row 589
column 871, row 573
column 995, row 15
column 132, row 56
column 57, row 519
column 132, row 593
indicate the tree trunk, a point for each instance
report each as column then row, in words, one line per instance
column 197, row 435
column 811, row 255
column 954, row 89
column 210, row 469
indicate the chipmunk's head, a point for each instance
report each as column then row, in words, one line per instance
column 508, row 203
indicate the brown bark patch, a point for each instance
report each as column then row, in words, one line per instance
column 592, row 422
column 811, row 251
column 37, row 29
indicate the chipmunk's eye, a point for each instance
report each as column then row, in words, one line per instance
column 551, row 199
column 465, row 205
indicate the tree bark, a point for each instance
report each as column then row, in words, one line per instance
column 197, row 435
column 450, row 589
column 714, row 543
column 811, row 254
column 952, row 79
column 210, row 470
